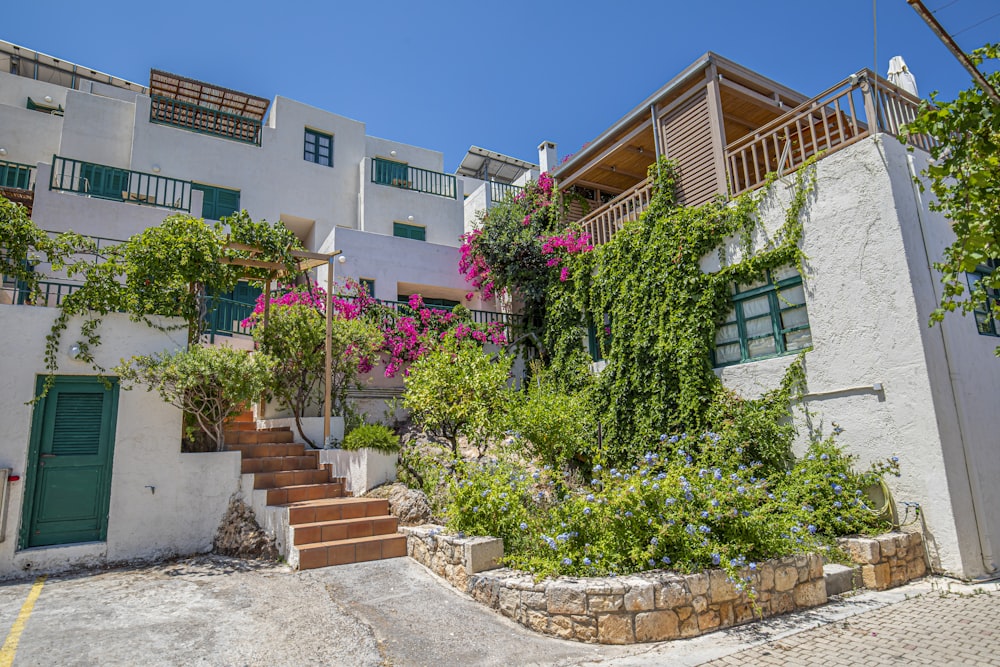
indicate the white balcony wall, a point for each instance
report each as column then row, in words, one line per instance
column 97, row 129
column 381, row 205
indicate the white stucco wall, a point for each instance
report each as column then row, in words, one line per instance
column 868, row 293
column 97, row 129
column 191, row 490
column 381, row 205
column 416, row 266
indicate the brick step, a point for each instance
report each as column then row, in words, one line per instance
column 344, row 529
column 343, row 552
column 289, row 478
column 308, row 461
column 242, row 426
column 245, row 417
column 335, row 509
column 268, row 450
column 303, row 492
column 258, row 437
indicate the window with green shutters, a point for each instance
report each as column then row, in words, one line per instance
column 367, row 284
column 415, row 232
column 218, row 202
column 985, row 323
column 768, row 319
column 318, row 148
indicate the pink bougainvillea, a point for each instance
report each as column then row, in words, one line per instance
column 408, row 332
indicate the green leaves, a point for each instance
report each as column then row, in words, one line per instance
column 212, row 383
column 965, row 179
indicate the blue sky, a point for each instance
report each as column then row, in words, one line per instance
column 503, row 75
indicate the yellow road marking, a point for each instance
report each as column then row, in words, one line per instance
column 14, row 636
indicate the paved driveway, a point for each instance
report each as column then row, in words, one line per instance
column 217, row 611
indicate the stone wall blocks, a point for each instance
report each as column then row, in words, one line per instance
column 603, row 603
column 615, row 629
column 566, row 598
column 640, row 596
column 656, row 626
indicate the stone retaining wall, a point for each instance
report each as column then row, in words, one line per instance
column 888, row 560
column 651, row 606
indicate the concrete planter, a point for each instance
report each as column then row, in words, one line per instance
column 312, row 427
column 362, row 470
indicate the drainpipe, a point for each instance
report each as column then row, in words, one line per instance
column 985, row 545
column 656, row 136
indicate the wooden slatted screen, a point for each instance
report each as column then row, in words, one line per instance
column 687, row 138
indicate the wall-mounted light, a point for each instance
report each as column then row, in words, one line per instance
column 392, row 153
column 75, row 351
column 156, row 168
column 48, row 99
column 341, row 259
column 3, row 151
column 410, row 218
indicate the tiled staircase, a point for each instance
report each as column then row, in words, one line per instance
column 304, row 506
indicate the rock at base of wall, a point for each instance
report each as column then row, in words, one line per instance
column 241, row 536
column 408, row 505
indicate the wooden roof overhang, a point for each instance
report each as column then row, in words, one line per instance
column 207, row 95
column 619, row 157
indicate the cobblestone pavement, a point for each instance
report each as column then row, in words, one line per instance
column 936, row 628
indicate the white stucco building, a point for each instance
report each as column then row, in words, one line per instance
column 862, row 306
column 108, row 158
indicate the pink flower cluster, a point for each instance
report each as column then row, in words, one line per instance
column 473, row 267
column 406, row 337
column 560, row 246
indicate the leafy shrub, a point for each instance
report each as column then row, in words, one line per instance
column 457, row 389
column 372, row 436
column 701, row 505
column 212, row 383
column 552, row 425
column 825, row 491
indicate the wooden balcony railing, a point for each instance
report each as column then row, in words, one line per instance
column 604, row 221
column 834, row 119
column 188, row 116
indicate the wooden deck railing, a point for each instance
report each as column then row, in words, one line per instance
column 604, row 221
column 834, row 119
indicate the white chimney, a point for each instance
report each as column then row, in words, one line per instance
column 547, row 159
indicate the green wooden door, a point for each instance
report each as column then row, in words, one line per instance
column 69, row 463
column 99, row 180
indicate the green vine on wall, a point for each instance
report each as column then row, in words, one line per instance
column 657, row 311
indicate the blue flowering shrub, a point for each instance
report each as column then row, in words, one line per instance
column 696, row 503
column 826, row 494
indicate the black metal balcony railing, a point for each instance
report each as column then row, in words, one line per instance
column 188, row 116
column 397, row 174
column 114, row 183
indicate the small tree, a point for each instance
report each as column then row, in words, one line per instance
column 555, row 425
column 211, row 383
column 295, row 336
column 457, row 389
column 965, row 178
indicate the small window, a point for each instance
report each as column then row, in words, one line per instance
column 318, row 148
column 985, row 322
column 368, row 285
column 768, row 319
column 405, row 231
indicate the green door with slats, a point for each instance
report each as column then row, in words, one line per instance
column 68, row 485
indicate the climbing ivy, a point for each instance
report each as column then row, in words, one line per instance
column 656, row 311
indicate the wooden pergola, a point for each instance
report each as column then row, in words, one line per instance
column 305, row 261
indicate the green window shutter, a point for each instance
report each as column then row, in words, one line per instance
column 218, row 202
column 415, row 232
column 368, row 284
column 76, row 429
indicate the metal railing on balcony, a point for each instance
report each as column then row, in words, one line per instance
column 500, row 191
column 397, row 174
column 16, row 176
column 188, row 116
column 114, row 183
column 836, row 118
column 604, row 221
column 49, row 294
column 224, row 317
